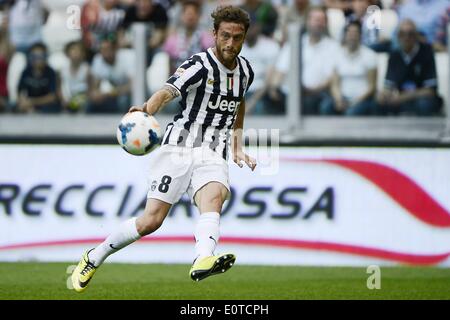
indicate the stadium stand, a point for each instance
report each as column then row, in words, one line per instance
column 387, row 4
column 314, row 128
column 52, row 35
column 158, row 71
column 58, row 60
column 389, row 21
column 442, row 64
column 336, row 22
column 15, row 68
column 381, row 69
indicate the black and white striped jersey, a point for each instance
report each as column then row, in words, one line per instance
column 210, row 97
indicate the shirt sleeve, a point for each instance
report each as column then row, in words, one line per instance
column 22, row 86
column 371, row 59
column 390, row 81
column 95, row 68
column 188, row 75
column 429, row 70
column 329, row 62
column 53, row 81
column 282, row 64
column 251, row 75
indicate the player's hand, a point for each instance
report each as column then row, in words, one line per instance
column 137, row 108
column 239, row 156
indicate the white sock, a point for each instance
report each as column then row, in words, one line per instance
column 206, row 234
column 125, row 235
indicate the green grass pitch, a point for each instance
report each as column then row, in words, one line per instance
column 167, row 282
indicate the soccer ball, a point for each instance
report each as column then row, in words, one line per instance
column 139, row 133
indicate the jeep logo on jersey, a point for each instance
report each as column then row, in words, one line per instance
column 224, row 104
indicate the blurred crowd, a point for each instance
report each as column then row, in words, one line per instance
column 340, row 40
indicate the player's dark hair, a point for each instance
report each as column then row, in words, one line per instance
column 230, row 14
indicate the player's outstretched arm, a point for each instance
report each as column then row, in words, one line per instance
column 236, row 140
column 158, row 100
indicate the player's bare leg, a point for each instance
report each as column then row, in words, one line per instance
column 129, row 232
column 209, row 199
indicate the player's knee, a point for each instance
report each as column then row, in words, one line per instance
column 218, row 200
column 214, row 201
column 211, row 197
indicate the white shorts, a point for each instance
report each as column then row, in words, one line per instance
column 175, row 170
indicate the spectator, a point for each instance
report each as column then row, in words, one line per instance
column 189, row 38
column 6, row 52
column 264, row 13
column 378, row 3
column 440, row 43
column 344, row 5
column 38, row 86
column 354, row 82
column 111, row 84
column 26, row 19
column 152, row 13
column 99, row 18
column 411, row 81
column 262, row 52
column 424, row 14
column 207, row 7
column 318, row 54
column 75, row 78
column 370, row 34
column 166, row 4
column 294, row 14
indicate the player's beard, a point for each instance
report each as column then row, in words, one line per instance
column 227, row 55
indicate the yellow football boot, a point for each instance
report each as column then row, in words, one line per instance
column 83, row 273
column 212, row 265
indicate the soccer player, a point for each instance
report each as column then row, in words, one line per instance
column 212, row 85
